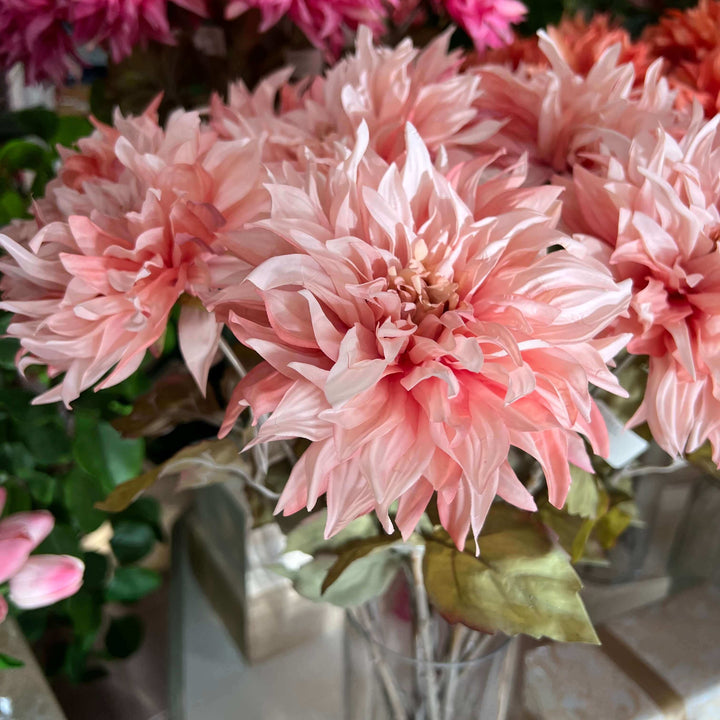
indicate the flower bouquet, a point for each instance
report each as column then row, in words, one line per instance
column 433, row 278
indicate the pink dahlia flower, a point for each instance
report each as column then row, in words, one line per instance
column 657, row 208
column 35, row 33
column 131, row 222
column 382, row 87
column 487, row 22
column 38, row 580
column 414, row 328
column 560, row 118
column 324, row 22
column 120, row 25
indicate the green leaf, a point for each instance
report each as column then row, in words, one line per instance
column 584, row 497
column 40, row 484
column 96, row 571
column 614, row 523
column 23, row 155
column 310, row 536
column 103, row 453
column 63, row 540
column 125, row 493
column 520, row 583
column 124, row 636
column 132, row 540
column 9, row 663
column 144, row 510
column 130, row 584
column 49, row 443
column 365, row 579
column 70, row 129
column 85, row 612
column 80, row 493
column 38, row 121
column 351, row 553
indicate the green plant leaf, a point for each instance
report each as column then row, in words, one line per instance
column 132, row 540
column 124, row 636
column 126, row 493
column 70, row 129
column 520, row 583
column 23, row 155
column 351, row 553
column 130, row 584
column 63, row 540
column 364, row 579
column 40, row 484
column 38, row 121
column 10, row 663
column 96, row 572
column 584, row 496
column 103, row 453
column 80, row 492
column 85, row 612
column 310, row 536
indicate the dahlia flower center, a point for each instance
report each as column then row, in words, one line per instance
column 423, row 291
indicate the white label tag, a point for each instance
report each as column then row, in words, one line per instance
column 625, row 445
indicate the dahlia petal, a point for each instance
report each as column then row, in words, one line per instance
column 198, row 336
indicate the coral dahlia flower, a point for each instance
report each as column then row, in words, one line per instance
column 415, row 327
column 560, row 117
column 130, row 224
column 658, row 211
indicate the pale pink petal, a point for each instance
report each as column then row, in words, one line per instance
column 46, row 579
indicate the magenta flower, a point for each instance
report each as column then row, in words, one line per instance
column 36, row 33
column 487, row 22
column 120, row 25
column 414, row 328
column 38, row 580
column 324, row 22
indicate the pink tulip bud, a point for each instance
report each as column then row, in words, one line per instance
column 46, row 579
column 14, row 552
column 34, row 526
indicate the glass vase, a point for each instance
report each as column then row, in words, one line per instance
column 470, row 675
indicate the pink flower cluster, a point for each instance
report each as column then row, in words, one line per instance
column 37, row 580
column 44, row 34
column 433, row 264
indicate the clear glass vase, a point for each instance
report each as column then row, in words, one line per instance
column 386, row 675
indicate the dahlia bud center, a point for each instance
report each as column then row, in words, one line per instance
column 422, row 291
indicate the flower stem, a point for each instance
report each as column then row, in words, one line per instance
column 423, row 637
column 382, row 668
column 458, row 637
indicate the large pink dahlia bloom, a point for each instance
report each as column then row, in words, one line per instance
column 559, row 117
column 38, row 580
column 414, row 328
column 657, row 209
column 381, row 86
column 130, row 225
